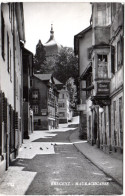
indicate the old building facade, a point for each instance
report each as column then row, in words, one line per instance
column 104, row 87
column 44, row 102
column 83, row 47
column 27, row 75
column 12, row 36
column 65, row 112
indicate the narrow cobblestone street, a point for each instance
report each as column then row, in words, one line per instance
column 54, row 167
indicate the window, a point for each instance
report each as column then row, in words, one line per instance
column 2, row 35
column 113, row 60
column 102, row 58
column 8, row 67
column 35, row 94
column 88, row 84
column 114, row 10
column 108, row 13
column 17, row 86
column 101, row 14
column 120, row 52
column 39, row 122
column 102, row 66
column 121, row 120
column 9, row 11
column 35, row 109
column 31, row 82
column 89, row 53
column 61, row 105
column 61, row 114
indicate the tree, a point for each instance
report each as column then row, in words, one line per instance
column 72, row 89
column 66, row 65
column 66, row 71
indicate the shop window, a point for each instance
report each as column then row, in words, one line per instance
column 35, row 109
column 105, row 121
column 114, row 122
column 35, row 94
column 89, row 127
column 102, row 66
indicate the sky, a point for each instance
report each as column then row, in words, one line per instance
column 68, row 19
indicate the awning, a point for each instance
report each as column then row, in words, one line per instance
column 88, row 88
column 86, row 72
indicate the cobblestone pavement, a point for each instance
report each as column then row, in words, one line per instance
column 49, row 164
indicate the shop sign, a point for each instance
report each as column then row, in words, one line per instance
column 103, row 88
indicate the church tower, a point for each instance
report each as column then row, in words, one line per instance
column 51, row 46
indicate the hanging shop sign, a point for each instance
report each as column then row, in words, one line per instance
column 103, row 88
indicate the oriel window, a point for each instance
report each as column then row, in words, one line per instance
column 102, row 66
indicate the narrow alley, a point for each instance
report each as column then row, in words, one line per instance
column 49, row 163
column 61, row 98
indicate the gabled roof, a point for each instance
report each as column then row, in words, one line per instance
column 57, row 81
column 43, row 77
column 26, row 51
column 78, row 36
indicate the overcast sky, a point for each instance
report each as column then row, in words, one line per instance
column 68, row 19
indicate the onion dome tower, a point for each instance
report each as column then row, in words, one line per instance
column 51, row 46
